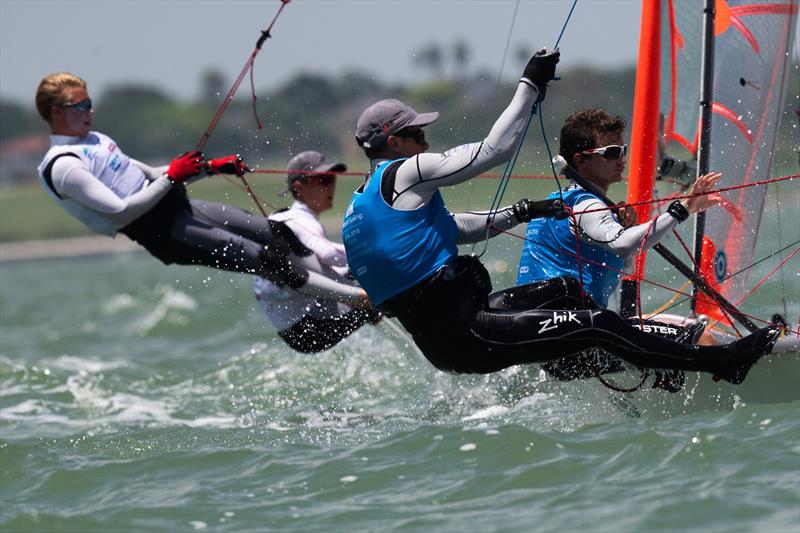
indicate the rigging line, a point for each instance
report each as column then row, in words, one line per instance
column 760, row 283
column 640, row 274
column 485, row 175
column 564, row 27
column 502, row 185
column 249, row 190
column 550, row 156
column 628, row 274
column 780, row 239
column 694, row 264
column 253, row 196
column 505, row 54
column 661, row 250
column 265, row 34
column 683, row 197
column 669, row 304
column 729, row 276
column 510, row 166
column 773, row 254
column 494, row 104
column 495, row 175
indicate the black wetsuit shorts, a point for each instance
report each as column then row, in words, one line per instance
column 197, row 232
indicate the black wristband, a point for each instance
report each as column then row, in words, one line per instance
column 678, row 210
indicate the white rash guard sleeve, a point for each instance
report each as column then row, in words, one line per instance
column 418, row 178
column 320, row 286
column 72, row 179
column 600, row 227
column 472, row 225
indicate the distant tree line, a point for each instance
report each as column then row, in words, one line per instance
column 312, row 111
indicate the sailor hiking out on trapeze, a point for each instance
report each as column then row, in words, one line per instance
column 592, row 145
column 313, row 324
column 90, row 177
column 401, row 243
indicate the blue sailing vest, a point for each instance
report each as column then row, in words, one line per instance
column 389, row 250
column 550, row 251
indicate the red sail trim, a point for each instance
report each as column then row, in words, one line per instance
column 726, row 112
column 746, row 33
column 766, row 9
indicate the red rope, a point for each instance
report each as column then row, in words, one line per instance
column 683, row 197
column 760, row 283
column 694, row 264
column 685, row 248
column 249, row 190
column 574, row 221
column 247, row 66
column 488, row 175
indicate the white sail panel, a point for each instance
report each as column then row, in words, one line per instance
column 751, row 62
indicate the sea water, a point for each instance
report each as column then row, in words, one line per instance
column 135, row 396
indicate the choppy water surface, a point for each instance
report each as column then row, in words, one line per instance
column 142, row 397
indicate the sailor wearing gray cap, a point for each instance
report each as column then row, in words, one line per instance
column 312, row 324
column 401, row 243
column 309, row 164
column 388, row 117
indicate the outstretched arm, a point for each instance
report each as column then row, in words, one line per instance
column 419, row 177
column 602, row 228
column 472, row 225
column 320, row 286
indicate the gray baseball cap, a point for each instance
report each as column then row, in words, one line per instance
column 309, row 163
column 385, row 118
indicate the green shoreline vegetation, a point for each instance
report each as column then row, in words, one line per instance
column 312, row 111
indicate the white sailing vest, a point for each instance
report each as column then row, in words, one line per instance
column 107, row 163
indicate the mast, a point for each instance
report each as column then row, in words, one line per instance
column 703, row 155
column 644, row 130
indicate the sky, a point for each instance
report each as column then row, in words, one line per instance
column 170, row 43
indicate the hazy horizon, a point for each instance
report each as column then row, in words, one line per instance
column 171, row 44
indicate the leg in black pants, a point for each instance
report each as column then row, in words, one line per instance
column 454, row 323
column 229, row 238
column 537, row 335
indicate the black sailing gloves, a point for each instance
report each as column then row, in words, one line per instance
column 525, row 210
column 540, row 70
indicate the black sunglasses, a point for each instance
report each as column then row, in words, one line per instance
column 323, row 179
column 613, row 151
column 418, row 134
column 82, row 106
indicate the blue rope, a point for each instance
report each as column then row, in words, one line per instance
column 504, row 179
column 564, row 27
